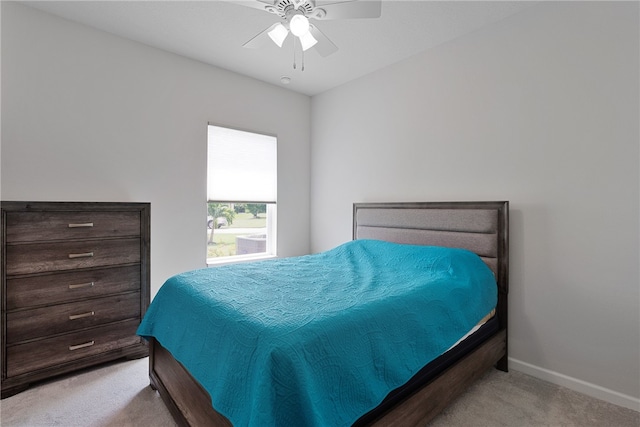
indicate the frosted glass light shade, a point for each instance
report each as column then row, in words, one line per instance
column 278, row 34
column 299, row 25
column 307, row 40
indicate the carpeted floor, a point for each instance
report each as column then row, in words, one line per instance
column 119, row 395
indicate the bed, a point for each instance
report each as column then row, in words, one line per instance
column 477, row 227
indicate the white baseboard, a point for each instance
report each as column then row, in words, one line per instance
column 576, row 384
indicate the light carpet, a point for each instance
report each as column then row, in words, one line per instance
column 118, row 395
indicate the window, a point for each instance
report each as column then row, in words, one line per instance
column 241, row 194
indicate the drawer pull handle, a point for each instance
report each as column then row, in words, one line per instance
column 79, row 346
column 81, row 285
column 85, row 224
column 80, row 316
column 83, row 255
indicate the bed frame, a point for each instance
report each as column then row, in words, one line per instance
column 481, row 227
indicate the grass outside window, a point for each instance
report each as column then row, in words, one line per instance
column 224, row 238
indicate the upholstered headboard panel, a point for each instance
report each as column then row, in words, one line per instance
column 481, row 227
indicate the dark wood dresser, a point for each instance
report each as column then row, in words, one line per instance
column 75, row 285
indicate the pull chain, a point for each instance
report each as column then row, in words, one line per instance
column 294, row 53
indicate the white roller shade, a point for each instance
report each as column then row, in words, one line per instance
column 242, row 166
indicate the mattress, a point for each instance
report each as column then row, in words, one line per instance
column 319, row 339
column 484, row 320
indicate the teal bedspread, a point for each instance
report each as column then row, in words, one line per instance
column 318, row 340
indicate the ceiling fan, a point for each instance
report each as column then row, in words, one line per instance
column 295, row 16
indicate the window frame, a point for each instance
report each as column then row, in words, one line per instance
column 271, row 211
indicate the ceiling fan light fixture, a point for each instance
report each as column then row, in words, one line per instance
column 307, row 41
column 299, row 25
column 278, row 34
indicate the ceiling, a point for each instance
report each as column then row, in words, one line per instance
column 214, row 31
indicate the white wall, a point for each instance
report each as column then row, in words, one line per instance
column 540, row 109
column 88, row 116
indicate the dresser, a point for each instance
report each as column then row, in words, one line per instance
column 75, row 285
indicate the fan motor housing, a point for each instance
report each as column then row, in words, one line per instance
column 283, row 6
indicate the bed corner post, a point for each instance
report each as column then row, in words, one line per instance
column 503, row 362
column 503, row 281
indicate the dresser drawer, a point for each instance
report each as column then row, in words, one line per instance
column 44, row 257
column 43, row 226
column 41, row 322
column 54, row 288
column 45, row 353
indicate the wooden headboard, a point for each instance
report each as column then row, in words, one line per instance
column 481, row 227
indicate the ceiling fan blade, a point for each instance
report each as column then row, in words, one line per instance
column 260, row 39
column 265, row 5
column 348, row 10
column 325, row 47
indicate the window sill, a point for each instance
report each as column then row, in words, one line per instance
column 237, row 259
